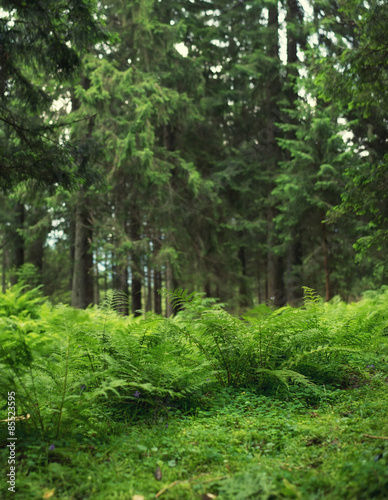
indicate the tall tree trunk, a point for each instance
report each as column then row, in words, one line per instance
column 82, row 286
column 96, row 293
column 293, row 283
column 275, row 267
column 294, row 23
column 120, row 258
column 120, row 276
column 149, row 287
column 71, row 251
column 136, row 270
column 169, row 287
column 82, row 290
column 244, row 293
column 157, row 296
column 156, row 244
column 326, row 262
column 5, row 266
column 35, row 251
column 17, row 240
column 275, row 285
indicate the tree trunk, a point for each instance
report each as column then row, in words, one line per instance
column 294, row 23
column 149, row 288
column 169, row 287
column 120, row 277
column 4, row 268
column 275, row 286
column 293, row 282
column 17, row 241
column 157, row 296
column 96, row 280
column 136, row 270
column 244, row 295
column 275, row 267
column 71, row 251
column 326, row 262
column 82, row 289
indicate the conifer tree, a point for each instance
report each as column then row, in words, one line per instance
column 40, row 49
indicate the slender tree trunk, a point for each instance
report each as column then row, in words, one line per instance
column 82, row 286
column 157, row 296
column 149, row 288
column 275, row 267
column 293, row 283
column 97, row 280
column 244, row 295
column 71, row 251
column 35, row 248
column 275, row 271
column 169, row 287
column 82, row 290
column 4, row 269
column 157, row 277
column 120, row 278
column 106, row 264
column 326, row 263
column 294, row 24
column 136, row 270
column 17, row 240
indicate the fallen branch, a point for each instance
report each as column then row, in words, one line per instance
column 375, row 437
column 168, row 487
column 163, row 490
column 15, row 419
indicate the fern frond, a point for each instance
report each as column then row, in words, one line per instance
column 285, row 376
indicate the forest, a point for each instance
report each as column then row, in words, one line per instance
column 193, row 244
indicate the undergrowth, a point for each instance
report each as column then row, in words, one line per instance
column 72, row 368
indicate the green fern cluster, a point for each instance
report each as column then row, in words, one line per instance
column 70, row 367
column 221, row 339
column 20, row 301
column 320, row 342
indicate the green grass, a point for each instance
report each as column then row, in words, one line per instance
column 242, row 445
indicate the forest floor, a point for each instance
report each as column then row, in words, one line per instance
column 239, row 445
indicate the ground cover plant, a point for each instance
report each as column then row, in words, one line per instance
column 279, row 403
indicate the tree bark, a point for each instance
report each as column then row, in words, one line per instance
column 149, row 288
column 82, row 289
column 71, row 251
column 157, row 296
column 275, row 267
column 136, row 270
column 293, row 283
column 244, row 294
column 294, row 292
column 17, row 241
column 157, row 275
column 169, row 287
column 5, row 266
column 275, row 286
column 326, row 262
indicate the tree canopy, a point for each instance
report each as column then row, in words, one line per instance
column 239, row 148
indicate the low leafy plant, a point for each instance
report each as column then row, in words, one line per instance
column 74, row 368
column 317, row 343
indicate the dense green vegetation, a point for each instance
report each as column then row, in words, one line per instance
column 282, row 403
column 150, row 148
column 234, row 148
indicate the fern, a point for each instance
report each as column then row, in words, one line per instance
column 69, row 367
